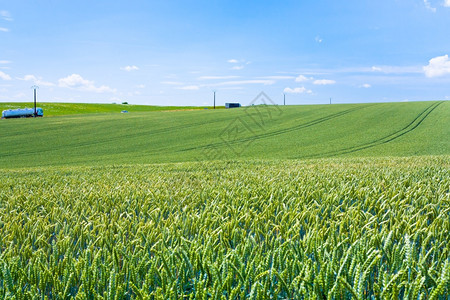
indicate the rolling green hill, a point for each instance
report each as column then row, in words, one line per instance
column 257, row 132
column 59, row 109
column 292, row 202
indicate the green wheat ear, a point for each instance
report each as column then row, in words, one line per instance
column 337, row 229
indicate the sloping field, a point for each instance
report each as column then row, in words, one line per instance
column 264, row 202
column 257, row 132
column 58, row 109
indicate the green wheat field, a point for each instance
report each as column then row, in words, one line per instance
column 263, row 202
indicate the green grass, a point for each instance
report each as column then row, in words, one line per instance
column 261, row 132
column 336, row 228
column 59, row 109
column 266, row 202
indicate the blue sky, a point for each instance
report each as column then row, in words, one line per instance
column 179, row 52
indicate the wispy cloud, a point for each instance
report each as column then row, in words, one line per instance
column 319, row 39
column 172, row 82
column 189, row 88
column 302, row 78
column 396, row 69
column 437, row 66
column 428, row 6
column 4, row 76
column 237, row 67
column 37, row 80
column 232, row 84
column 322, row 72
column 5, row 15
column 297, row 90
column 129, row 68
column 3, row 29
column 447, row 3
column 324, row 82
column 242, row 63
column 4, row 62
column 365, row 85
column 77, row 82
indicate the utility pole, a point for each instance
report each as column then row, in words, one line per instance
column 35, row 87
column 214, row 99
column 330, row 100
column 284, row 99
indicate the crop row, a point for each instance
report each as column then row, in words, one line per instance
column 325, row 229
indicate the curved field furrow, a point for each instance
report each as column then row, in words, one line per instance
column 255, row 132
column 280, row 131
column 388, row 138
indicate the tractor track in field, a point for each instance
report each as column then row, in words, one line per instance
column 386, row 139
column 277, row 132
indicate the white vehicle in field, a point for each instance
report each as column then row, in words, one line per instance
column 22, row 113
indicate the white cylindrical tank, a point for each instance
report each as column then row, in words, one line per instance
column 22, row 112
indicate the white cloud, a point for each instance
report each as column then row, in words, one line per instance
column 319, row 39
column 129, row 68
column 4, row 76
column 324, row 82
column 37, row 80
column 189, row 88
column 297, row 90
column 5, row 15
column 3, row 29
column 378, row 69
column 140, row 86
column 447, row 3
column 302, row 78
column 29, row 77
column 242, row 63
column 428, row 6
column 4, row 62
column 77, row 82
column 437, row 66
column 365, row 85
